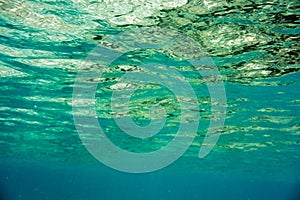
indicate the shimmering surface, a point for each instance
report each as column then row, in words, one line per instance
column 255, row 45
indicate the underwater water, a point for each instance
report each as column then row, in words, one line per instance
column 254, row 45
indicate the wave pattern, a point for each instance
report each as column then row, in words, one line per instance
column 255, row 45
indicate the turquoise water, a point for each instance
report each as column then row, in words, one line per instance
column 253, row 44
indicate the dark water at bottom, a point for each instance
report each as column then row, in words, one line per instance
column 30, row 182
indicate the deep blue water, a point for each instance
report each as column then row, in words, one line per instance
column 78, row 182
column 53, row 52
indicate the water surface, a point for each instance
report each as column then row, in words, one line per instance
column 254, row 44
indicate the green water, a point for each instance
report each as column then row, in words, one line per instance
column 254, row 45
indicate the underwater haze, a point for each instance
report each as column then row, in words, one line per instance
column 225, row 73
